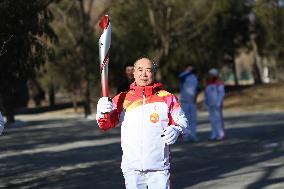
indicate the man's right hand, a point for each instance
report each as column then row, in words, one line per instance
column 104, row 106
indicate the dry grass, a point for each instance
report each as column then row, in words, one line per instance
column 268, row 97
column 257, row 98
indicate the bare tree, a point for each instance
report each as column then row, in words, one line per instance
column 80, row 27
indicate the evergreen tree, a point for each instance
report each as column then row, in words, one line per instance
column 25, row 25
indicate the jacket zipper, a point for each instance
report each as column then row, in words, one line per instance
column 144, row 99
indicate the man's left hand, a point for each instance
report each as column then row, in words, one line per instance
column 171, row 134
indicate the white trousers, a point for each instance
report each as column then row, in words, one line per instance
column 190, row 113
column 147, row 179
column 216, row 119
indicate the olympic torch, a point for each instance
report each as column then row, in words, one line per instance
column 104, row 46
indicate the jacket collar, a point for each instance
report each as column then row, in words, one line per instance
column 214, row 80
column 147, row 90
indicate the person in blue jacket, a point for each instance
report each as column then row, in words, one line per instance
column 1, row 123
column 188, row 94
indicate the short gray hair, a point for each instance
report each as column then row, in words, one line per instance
column 154, row 65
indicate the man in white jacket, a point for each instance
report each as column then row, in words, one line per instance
column 214, row 96
column 151, row 120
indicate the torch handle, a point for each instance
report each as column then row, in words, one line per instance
column 104, row 81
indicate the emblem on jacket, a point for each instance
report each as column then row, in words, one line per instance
column 154, row 117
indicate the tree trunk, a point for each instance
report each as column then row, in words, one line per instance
column 257, row 66
column 51, row 95
column 86, row 82
column 231, row 58
column 256, row 74
column 10, row 115
column 74, row 100
column 234, row 67
column 87, row 100
column 8, row 106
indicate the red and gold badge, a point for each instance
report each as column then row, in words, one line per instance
column 154, row 117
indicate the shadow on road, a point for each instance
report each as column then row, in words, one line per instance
column 73, row 153
column 248, row 136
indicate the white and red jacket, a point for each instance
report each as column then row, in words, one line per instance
column 144, row 112
column 214, row 93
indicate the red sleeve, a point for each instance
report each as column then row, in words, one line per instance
column 112, row 119
column 172, row 104
column 109, row 121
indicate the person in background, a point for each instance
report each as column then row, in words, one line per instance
column 129, row 78
column 151, row 120
column 214, row 97
column 1, row 123
column 188, row 95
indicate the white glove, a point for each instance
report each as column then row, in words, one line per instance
column 171, row 134
column 104, row 106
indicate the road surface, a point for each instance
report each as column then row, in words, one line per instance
column 50, row 151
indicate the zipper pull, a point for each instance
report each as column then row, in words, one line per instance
column 144, row 96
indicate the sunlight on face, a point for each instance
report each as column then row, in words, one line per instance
column 143, row 72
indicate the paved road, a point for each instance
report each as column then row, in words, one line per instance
column 54, row 151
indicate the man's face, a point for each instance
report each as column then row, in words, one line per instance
column 129, row 72
column 144, row 72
